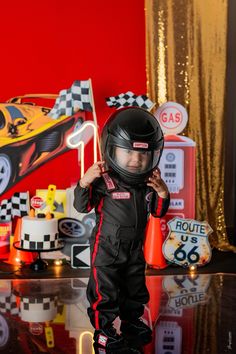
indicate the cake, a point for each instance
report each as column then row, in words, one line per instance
column 38, row 309
column 39, row 233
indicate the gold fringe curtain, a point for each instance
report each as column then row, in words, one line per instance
column 206, row 340
column 186, row 63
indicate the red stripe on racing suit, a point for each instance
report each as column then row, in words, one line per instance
column 95, row 249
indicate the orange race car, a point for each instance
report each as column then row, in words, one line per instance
column 29, row 137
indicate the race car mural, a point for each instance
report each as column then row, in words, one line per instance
column 29, row 137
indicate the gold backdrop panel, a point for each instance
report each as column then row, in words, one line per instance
column 186, row 63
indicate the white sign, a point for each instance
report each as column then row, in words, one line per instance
column 186, row 291
column 36, row 202
column 172, row 117
column 80, row 256
column 187, row 242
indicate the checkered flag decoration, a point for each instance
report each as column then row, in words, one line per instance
column 69, row 101
column 8, row 305
column 17, row 205
column 5, row 209
column 45, row 242
column 129, row 99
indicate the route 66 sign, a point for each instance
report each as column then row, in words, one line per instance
column 187, row 242
column 185, row 291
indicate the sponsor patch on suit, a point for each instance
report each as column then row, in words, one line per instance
column 121, row 195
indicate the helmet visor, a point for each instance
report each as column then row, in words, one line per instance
column 134, row 161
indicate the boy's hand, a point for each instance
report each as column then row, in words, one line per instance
column 157, row 183
column 91, row 174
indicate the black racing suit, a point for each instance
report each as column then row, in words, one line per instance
column 117, row 281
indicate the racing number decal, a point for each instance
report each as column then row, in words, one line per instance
column 191, row 256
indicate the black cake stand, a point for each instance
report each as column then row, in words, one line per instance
column 40, row 264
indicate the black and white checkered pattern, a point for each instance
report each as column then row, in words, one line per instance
column 17, row 205
column 8, row 305
column 78, row 96
column 129, row 99
column 40, row 303
column 20, row 204
column 6, row 209
column 44, row 242
column 38, row 309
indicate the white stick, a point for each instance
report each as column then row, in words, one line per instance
column 95, row 119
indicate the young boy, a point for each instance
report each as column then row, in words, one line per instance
column 123, row 197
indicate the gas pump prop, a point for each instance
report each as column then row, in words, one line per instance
column 177, row 163
column 177, row 167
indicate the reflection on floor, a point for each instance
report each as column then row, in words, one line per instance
column 188, row 314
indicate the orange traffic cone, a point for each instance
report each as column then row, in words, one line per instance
column 153, row 244
column 16, row 256
column 154, row 285
column 152, row 309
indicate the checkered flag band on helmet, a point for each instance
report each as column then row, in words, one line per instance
column 129, row 99
column 17, row 205
column 77, row 97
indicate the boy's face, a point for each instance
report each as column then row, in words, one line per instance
column 133, row 161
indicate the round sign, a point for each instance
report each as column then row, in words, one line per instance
column 172, row 117
column 36, row 328
column 36, row 202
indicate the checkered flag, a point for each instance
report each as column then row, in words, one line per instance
column 8, row 305
column 5, row 209
column 18, row 205
column 77, row 97
column 129, row 99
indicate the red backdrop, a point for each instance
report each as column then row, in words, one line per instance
column 47, row 45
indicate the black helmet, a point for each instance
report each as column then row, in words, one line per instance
column 132, row 131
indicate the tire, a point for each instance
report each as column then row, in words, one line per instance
column 70, row 227
column 4, row 333
column 6, row 172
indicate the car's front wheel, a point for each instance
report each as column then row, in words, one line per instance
column 5, row 172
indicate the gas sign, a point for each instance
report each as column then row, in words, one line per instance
column 172, row 117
